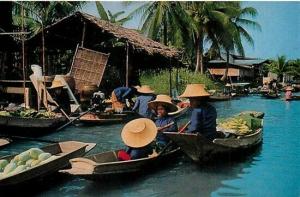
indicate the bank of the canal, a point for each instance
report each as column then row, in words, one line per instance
column 273, row 170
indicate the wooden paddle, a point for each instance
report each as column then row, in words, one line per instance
column 184, row 127
column 71, row 121
column 166, row 126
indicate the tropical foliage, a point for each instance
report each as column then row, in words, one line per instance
column 108, row 16
column 194, row 26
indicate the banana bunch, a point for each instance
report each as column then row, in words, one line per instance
column 235, row 125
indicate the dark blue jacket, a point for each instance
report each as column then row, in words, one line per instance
column 141, row 105
column 123, row 93
column 160, row 122
column 137, row 153
column 203, row 121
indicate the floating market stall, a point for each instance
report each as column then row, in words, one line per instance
column 241, row 133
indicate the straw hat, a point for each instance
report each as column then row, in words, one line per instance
column 194, row 90
column 145, row 89
column 56, row 84
column 139, row 132
column 165, row 100
column 227, row 85
column 289, row 88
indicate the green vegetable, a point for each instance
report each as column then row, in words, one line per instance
column 3, row 164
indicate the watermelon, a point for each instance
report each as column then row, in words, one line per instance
column 44, row 156
column 3, row 164
column 9, row 168
column 35, row 152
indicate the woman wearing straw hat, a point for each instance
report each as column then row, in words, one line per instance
column 288, row 93
column 141, row 103
column 60, row 95
column 163, row 105
column 204, row 115
column 138, row 135
column 119, row 96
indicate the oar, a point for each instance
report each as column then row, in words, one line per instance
column 184, row 127
column 71, row 121
column 166, row 126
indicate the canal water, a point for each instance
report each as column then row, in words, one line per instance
column 272, row 170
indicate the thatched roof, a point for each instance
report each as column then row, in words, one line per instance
column 134, row 38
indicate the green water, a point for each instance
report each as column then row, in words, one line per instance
column 273, row 170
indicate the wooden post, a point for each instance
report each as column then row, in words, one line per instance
column 170, row 79
column 44, row 68
column 23, row 61
column 127, row 64
column 83, row 34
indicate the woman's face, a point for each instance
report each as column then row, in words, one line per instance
column 194, row 102
column 161, row 111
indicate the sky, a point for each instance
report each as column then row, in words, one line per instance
column 280, row 22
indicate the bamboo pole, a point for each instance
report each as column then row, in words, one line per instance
column 127, row 64
column 83, row 34
column 23, row 58
column 44, row 67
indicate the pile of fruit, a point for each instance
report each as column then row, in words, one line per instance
column 28, row 113
column 241, row 124
column 24, row 161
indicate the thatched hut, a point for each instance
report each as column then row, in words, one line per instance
column 129, row 51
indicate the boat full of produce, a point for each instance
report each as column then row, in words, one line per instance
column 29, row 122
column 39, row 162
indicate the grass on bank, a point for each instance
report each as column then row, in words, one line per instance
column 159, row 81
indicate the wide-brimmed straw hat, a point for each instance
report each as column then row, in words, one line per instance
column 228, row 85
column 195, row 90
column 289, row 88
column 139, row 132
column 56, row 84
column 145, row 89
column 164, row 100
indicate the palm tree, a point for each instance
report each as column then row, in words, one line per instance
column 279, row 66
column 162, row 21
column 108, row 16
column 235, row 30
column 42, row 13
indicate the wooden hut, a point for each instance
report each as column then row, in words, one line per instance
column 129, row 51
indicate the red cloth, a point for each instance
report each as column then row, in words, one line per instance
column 123, row 156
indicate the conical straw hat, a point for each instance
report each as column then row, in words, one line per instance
column 56, row 84
column 289, row 88
column 228, row 85
column 164, row 100
column 145, row 89
column 139, row 132
column 194, row 90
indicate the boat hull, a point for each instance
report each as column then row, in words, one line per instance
column 104, row 165
column 200, row 149
column 67, row 150
column 29, row 126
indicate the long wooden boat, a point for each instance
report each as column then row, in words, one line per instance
column 106, row 164
column 29, row 126
column 65, row 150
column 294, row 98
column 270, row 96
column 107, row 118
column 200, row 149
column 219, row 98
column 4, row 142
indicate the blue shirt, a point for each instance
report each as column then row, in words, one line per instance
column 123, row 93
column 203, row 121
column 163, row 121
column 137, row 153
column 141, row 105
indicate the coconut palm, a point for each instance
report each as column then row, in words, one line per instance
column 279, row 66
column 42, row 13
column 235, row 30
column 161, row 21
column 108, row 16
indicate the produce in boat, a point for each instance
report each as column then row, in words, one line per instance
column 28, row 113
column 3, row 164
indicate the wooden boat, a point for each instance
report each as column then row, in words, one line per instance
column 66, row 150
column 4, row 142
column 219, row 98
column 29, row 126
column 107, row 118
column 107, row 164
column 270, row 96
column 200, row 149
